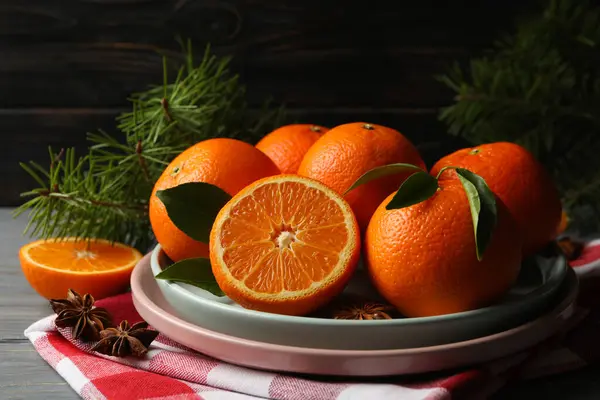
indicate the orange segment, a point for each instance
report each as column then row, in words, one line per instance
column 331, row 236
column 316, row 262
column 99, row 268
column 317, row 209
column 266, row 276
column 269, row 199
column 238, row 231
column 293, row 275
column 284, row 244
column 250, row 213
column 292, row 194
column 242, row 258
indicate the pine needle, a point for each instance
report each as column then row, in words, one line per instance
column 540, row 87
column 105, row 193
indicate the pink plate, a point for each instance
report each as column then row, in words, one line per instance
column 153, row 307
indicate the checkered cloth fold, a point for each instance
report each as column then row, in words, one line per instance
column 171, row 371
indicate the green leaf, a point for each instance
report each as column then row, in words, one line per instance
column 441, row 171
column 483, row 208
column 385, row 170
column 193, row 207
column 416, row 188
column 193, row 271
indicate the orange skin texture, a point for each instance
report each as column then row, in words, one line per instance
column 347, row 151
column 422, row 258
column 287, row 145
column 227, row 163
column 522, row 183
column 298, row 305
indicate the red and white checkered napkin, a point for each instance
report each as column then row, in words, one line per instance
column 171, row 371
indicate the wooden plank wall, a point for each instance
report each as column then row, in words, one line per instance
column 67, row 66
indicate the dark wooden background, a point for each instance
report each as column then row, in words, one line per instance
column 67, row 67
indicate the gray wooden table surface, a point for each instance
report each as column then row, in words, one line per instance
column 24, row 375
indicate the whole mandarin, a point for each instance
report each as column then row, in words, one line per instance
column 346, row 152
column 423, row 260
column 227, row 163
column 522, row 183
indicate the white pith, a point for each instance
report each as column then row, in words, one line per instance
column 85, row 254
column 285, row 239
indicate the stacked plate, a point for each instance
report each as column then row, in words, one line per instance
column 537, row 306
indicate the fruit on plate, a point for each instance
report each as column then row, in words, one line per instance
column 287, row 145
column 284, row 244
column 521, row 182
column 347, row 151
column 423, row 260
column 98, row 267
column 229, row 164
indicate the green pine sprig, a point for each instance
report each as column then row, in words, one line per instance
column 104, row 193
column 71, row 200
column 540, row 87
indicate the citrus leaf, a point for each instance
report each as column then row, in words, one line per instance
column 416, row 188
column 441, row 171
column 193, row 271
column 483, row 208
column 384, row 170
column 193, row 207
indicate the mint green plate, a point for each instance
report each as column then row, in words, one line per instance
column 533, row 293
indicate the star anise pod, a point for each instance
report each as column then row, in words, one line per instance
column 126, row 340
column 79, row 313
column 572, row 249
column 364, row 311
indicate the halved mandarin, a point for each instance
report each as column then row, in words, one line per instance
column 97, row 267
column 284, row 244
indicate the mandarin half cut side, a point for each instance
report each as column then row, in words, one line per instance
column 285, row 245
column 97, row 267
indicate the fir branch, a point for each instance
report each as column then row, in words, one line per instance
column 539, row 87
column 105, row 193
column 139, row 150
column 73, row 201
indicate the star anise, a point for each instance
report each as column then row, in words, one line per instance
column 572, row 249
column 126, row 340
column 364, row 311
column 79, row 313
